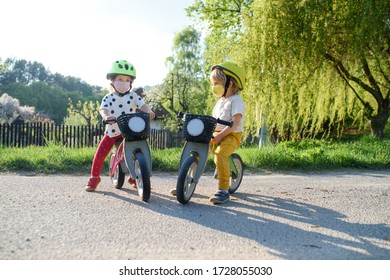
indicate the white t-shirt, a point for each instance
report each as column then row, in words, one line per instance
column 117, row 105
column 226, row 108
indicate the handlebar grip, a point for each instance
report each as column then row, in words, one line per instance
column 109, row 121
column 225, row 122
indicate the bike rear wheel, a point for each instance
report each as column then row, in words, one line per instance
column 118, row 176
column 142, row 176
column 185, row 186
column 235, row 179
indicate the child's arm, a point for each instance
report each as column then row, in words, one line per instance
column 227, row 130
column 145, row 108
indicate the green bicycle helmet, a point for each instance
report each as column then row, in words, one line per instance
column 121, row 67
column 232, row 70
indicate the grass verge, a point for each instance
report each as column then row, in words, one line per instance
column 308, row 155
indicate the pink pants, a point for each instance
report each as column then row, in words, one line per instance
column 102, row 151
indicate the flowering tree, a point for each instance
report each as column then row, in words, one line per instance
column 10, row 109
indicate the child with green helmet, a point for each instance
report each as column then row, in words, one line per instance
column 227, row 80
column 121, row 100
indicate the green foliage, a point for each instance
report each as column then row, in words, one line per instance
column 223, row 20
column 27, row 72
column 313, row 67
column 308, row 155
column 86, row 113
column 33, row 85
column 312, row 57
column 186, row 53
column 184, row 89
column 44, row 98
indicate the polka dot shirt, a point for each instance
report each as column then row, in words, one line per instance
column 117, row 105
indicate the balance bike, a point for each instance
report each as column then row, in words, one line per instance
column 132, row 154
column 198, row 131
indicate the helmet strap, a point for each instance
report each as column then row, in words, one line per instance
column 226, row 85
column 123, row 94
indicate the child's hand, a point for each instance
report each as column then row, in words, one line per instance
column 216, row 139
column 152, row 115
column 109, row 119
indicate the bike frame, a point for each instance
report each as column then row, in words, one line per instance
column 132, row 154
column 124, row 155
column 198, row 131
column 200, row 151
column 130, row 148
column 118, row 159
column 233, row 166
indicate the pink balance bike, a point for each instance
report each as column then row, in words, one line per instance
column 131, row 154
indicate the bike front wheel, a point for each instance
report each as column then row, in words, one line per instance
column 236, row 178
column 142, row 176
column 116, row 173
column 185, row 186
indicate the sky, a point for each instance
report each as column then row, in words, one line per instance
column 82, row 38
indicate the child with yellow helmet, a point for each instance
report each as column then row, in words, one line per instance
column 227, row 80
column 121, row 100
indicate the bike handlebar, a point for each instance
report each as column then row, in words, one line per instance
column 113, row 120
column 109, row 121
column 180, row 115
column 230, row 124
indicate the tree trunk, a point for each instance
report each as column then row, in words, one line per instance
column 379, row 121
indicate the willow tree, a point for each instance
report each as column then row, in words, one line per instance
column 314, row 66
column 223, row 23
column 317, row 62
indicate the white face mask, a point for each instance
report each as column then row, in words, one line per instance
column 121, row 87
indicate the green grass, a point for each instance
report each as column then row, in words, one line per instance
column 308, row 155
column 361, row 153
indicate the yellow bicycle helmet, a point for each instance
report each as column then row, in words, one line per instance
column 233, row 70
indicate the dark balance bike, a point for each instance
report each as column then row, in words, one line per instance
column 198, row 131
column 132, row 154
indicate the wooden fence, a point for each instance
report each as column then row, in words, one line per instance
column 39, row 134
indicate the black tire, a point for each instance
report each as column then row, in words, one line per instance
column 118, row 178
column 235, row 181
column 185, row 186
column 142, row 178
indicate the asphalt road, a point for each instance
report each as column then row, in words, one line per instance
column 337, row 215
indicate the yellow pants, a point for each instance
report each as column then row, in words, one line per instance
column 221, row 153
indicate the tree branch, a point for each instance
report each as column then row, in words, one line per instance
column 371, row 79
column 378, row 62
column 339, row 65
column 365, row 104
column 238, row 10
